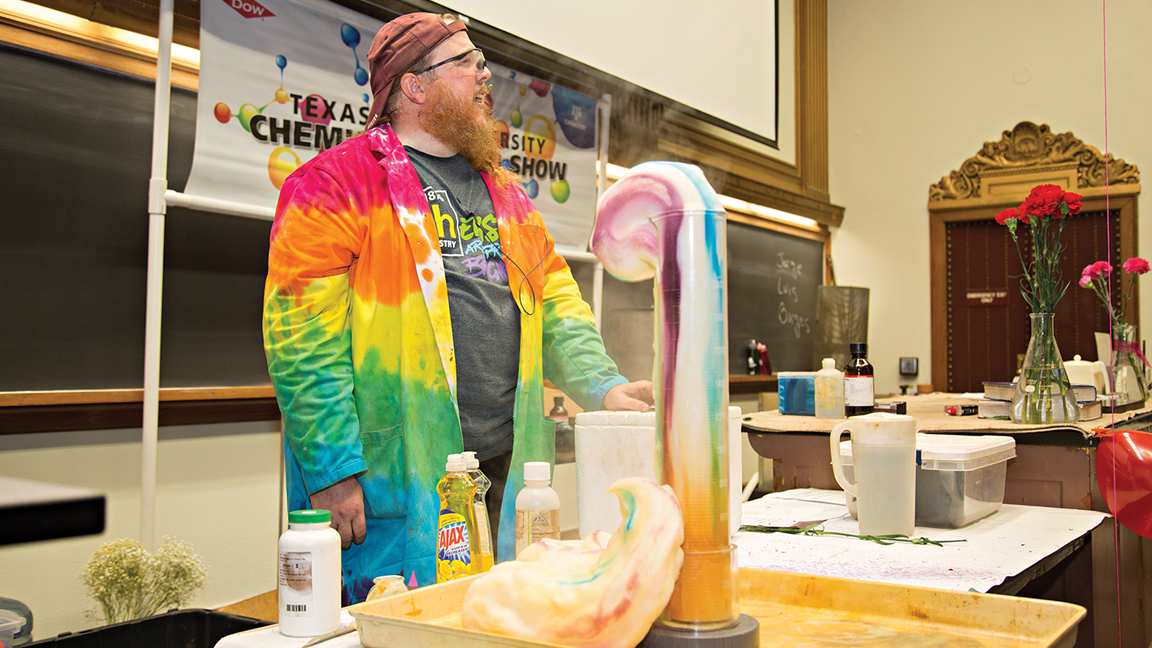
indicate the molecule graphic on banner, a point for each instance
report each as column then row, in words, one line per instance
column 224, row 114
column 283, row 160
column 538, row 141
column 351, row 37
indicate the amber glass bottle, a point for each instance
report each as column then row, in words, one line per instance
column 859, row 386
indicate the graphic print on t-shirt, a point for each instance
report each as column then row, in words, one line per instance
column 474, row 238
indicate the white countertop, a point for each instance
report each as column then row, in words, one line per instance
column 270, row 637
column 997, row 547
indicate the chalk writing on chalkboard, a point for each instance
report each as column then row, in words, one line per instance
column 773, row 279
column 789, row 273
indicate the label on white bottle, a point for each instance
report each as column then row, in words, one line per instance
column 536, row 525
column 859, row 391
column 295, row 583
column 827, row 392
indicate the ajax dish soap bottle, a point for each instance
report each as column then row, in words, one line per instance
column 457, row 546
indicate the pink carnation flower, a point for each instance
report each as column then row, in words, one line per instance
column 1096, row 270
column 1136, row 265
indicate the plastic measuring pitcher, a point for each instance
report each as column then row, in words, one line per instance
column 884, row 465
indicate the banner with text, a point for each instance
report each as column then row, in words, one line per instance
column 282, row 80
column 549, row 134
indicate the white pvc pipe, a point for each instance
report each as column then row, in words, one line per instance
column 598, row 294
column 215, row 205
column 157, row 185
column 605, row 106
column 572, row 254
column 753, row 482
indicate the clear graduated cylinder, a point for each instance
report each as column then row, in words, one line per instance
column 690, row 376
column 309, row 583
column 663, row 220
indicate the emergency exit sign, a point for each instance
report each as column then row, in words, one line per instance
column 987, row 297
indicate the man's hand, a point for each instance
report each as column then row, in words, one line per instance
column 636, row 396
column 346, row 502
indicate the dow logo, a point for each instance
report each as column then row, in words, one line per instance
column 249, row 8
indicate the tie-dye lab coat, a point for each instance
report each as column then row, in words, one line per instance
column 360, row 349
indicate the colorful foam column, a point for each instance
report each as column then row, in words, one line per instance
column 663, row 220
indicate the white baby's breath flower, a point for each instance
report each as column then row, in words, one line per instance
column 127, row 582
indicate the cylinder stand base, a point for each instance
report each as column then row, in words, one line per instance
column 745, row 634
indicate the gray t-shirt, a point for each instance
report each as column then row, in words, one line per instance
column 485, row 319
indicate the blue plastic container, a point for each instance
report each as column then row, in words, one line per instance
column 797, row 392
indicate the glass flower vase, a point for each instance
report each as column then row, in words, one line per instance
column 1044, row 394
column 1126, row 370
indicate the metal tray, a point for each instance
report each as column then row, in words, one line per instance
column 793, row 609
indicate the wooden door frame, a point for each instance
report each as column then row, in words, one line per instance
column 1122, row 198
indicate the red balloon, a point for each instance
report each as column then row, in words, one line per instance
column 1124, row 473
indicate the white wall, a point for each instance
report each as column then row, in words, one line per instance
column 916, row 88
column 217, row 490
column 724, row 69
column 652, row 45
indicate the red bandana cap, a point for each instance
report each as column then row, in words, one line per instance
column 399, row 44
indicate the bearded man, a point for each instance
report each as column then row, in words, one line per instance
column 414, row 305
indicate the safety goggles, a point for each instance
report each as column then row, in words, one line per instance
column 480, row 62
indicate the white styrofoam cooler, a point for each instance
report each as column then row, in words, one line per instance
column 959, row 478
column 611, row 446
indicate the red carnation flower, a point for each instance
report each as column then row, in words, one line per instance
column 1008, row 214
column 1073, row 202
column 1043, row 200
column 1136, row 265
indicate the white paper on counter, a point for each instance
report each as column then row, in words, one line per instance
column 998, row 546
column 270, row 637
column 798, row 508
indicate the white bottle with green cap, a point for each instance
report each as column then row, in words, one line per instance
column 309, row 592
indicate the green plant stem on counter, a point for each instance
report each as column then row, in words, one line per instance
column 817, row 529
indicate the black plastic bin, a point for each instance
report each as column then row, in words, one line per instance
column 173, row 629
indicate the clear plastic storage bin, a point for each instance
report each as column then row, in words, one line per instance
column 959, row 478
column 10, row 624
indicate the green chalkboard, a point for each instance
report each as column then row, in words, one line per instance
column 76, row 143
column 773, row 279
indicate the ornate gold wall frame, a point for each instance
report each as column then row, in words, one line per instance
column 1025, row 156
column 1000, row 175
